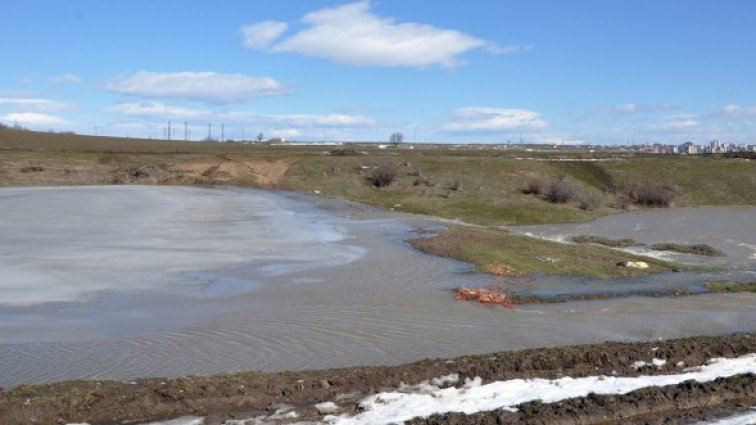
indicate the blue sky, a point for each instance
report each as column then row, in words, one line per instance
column 594, row 72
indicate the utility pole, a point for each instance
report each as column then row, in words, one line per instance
column 169, row 130
column 223, row 134
column 209, row 131
column 186, row 132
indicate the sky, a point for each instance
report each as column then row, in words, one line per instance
column 479, row 71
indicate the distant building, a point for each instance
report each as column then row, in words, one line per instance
column 688, row 148
column 717, row 146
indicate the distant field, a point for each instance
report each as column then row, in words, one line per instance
column 482, row 186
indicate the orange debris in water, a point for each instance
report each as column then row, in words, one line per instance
column 499, row 269
column 484, row 296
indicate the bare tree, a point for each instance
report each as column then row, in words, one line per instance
column 396, row 138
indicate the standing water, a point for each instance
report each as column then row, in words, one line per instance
column 128, row 281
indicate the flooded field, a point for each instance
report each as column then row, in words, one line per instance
column 128, row 281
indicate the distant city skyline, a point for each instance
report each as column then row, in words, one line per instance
column 582, row 72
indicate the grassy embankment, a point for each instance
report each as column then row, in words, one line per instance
column 480, row 186
column 724, row 286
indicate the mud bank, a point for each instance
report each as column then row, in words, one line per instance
column 251, row 394
column 672, row 293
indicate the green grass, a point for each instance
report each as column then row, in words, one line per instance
column 614, row 243
column 724, row 286
column 485, row 246
column 491, row 181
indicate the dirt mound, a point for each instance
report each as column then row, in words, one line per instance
column 210, row 170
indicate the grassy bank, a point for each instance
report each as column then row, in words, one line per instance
column 483, row 186
column 683, row 248
column 485, row 247
column 723, row 286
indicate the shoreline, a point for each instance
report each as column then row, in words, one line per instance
column 251, row 394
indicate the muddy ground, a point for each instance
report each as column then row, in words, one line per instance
column 249, row 394
column 225, row 169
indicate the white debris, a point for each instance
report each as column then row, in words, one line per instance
column 327, row 408
column 658, row 362
column 448, row 379
column 639, row 364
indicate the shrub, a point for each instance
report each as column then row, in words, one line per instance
column 653, row 194
column 535, row 185
column 383, row 175
column 559, row 190
column 589, row 201
column 344, row 152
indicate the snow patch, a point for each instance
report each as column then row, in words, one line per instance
column 396, row 407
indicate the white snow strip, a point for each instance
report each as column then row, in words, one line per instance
column 473, row 397
column 741, row 419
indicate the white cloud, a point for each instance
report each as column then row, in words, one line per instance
column 209, row 87
column 286, row 133
column 158, row 110
column 262, row 34
column 496, row 49
column 736, row 111
column 680, row 124
column 494, row 119
column 352, row 35
column 33, row 118
column 34, row 104
column 626, row 108
column 730, row 109
column 64, row 78
column 332, row 120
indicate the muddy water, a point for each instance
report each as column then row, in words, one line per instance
column 732, row 230
column 729, row 229
column 121, row 282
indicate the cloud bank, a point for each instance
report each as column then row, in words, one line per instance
column 494, row 119
column 210, row 87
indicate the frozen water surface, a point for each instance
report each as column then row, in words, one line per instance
column 77, row 244
column 128, row 281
